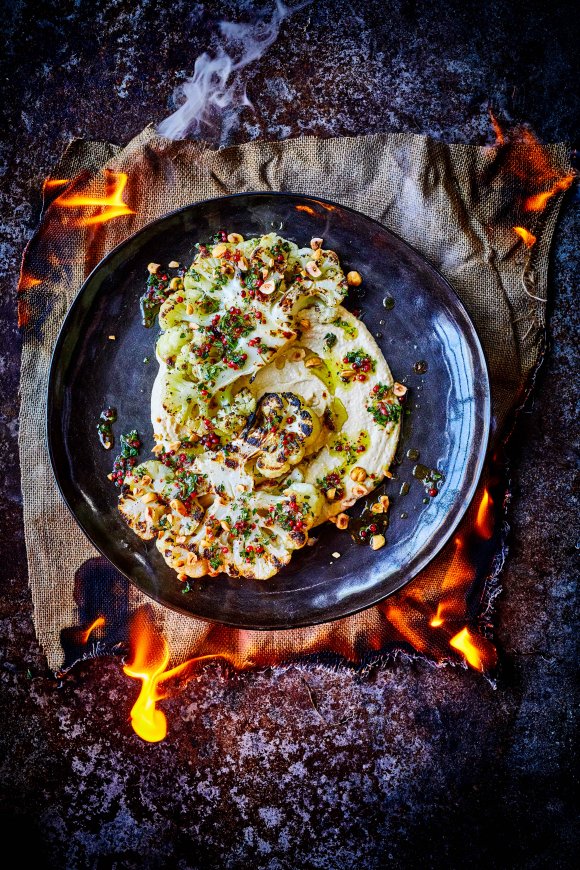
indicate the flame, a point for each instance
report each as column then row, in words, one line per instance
column 484, row 519
column 476, row 649
column 97, row 623
column 538, row 201
column 533, row 168
column 150, row 657
column 55, row 182
column 400, row 619
column 110, row 206
column 27, row 281
column 528, row 238
column 499, row 135
column 457, row 575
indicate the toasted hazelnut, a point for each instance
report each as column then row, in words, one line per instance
column 342, row 521
column 353, row 279
column 189, row 308
column 178, row 507
column 173, row 265
column 358, row 474
column 148, row 497
column 377, row 541
column 331, row 493
column 381, row 506
column 243, row 264
column 235, row 238
column 227, row 268
column 153, row 267
column 313, row 269
column 316, row 243
column 399, row 389
column 313, row 362
column 219, row 250
column 359, row 490
column 175, row 284
column 267, row 288
column 347, row 374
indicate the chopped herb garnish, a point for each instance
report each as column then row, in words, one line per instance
column 383, row 405
column 127, row 459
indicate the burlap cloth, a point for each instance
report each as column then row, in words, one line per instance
column 456, row 204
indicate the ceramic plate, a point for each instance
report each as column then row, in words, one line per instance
column 448, row 422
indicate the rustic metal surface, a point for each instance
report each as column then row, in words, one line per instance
column 409, row 766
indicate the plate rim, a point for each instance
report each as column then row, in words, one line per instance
column 441, row 541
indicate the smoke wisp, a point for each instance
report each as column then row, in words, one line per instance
column 215, row 94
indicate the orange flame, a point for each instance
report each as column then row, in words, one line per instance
column 110, row 206
column 400, row 620
column 538, row 201
column 484, row 518
column 55, row 182
column 150, row 657
column 97, row 623
column 528, row 238
column 499, row 136
column 458, row 574
column 476, row 649
column 27, row 281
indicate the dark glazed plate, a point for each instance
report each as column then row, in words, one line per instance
column 448, row 424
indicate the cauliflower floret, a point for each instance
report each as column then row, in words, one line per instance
column 141, row 503
column 233, row 415
column 281, row 433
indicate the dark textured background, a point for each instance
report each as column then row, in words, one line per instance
column 412, row 766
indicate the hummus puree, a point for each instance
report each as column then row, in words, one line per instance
column 284, row 424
